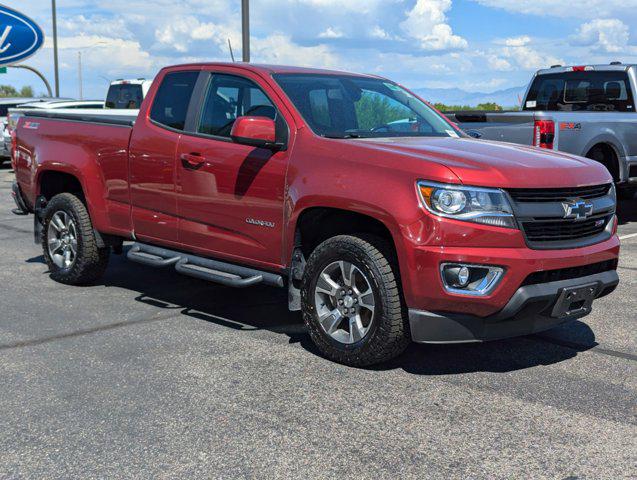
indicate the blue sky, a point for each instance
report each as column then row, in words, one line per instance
column 475, row 45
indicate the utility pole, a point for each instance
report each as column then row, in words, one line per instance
column 245, row 29
column 55, row 49
column 79, row 71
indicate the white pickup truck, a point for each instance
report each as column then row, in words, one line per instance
column 584, row 110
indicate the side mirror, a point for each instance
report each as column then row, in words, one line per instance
column 255, row 131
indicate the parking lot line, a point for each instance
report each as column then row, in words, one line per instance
column 626, row 237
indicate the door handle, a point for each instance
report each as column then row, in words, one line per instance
column 192, row 161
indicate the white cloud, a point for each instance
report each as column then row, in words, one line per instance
column 378, row 32
column 122, row 55
column 280, row 49
column 604, row 35
column 426, row 22
column 551, row 8
column 516, row 41
column 331, row 32
column 519, row 52
column 95, row 25
column 360, row 6
column 180, row 33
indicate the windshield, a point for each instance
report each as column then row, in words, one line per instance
column 581, row 91
column 124, row 96
column 346, row 106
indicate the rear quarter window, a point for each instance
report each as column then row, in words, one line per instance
column 124, row 96
column 591, row 91
column 170, row 105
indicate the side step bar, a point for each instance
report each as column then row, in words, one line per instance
column 202, row 268
column 19, row 201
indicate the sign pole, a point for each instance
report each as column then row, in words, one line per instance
column 245, row 29
column 38, row 73
column 55, row 49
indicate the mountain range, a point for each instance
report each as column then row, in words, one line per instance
column 509, row 97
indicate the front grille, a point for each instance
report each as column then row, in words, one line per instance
column 533, row 195
column 564, row 230
column 570, row 273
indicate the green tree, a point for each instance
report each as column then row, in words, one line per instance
column 9, row 91
column 27, row 91
column 375, row 110
column 456, row 108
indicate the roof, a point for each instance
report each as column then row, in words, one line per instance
column 273, row 69
column 130, row 81
column 606, row 67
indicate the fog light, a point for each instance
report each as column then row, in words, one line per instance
column 463, row 276
column 470, row 279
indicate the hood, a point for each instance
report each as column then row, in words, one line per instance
column 496, row 164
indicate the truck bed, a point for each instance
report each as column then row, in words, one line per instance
column 97, row 143
column 513, row 127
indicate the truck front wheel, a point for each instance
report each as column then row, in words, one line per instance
column 69, row 242
column 352, row 303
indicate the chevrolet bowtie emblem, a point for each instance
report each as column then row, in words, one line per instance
column 577, row 209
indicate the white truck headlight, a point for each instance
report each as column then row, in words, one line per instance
column 488, row 206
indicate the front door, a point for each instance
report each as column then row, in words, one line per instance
column 230, row 196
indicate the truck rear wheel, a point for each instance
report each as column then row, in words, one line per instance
column 352, row 303
column 69, row 242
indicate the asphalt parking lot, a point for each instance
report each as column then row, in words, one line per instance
column 152, row 375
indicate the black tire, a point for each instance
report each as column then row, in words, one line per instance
column 90, row 260
column 626, row 193
column 388, row 335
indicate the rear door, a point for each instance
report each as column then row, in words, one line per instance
column 230, row 196
column 152, row 157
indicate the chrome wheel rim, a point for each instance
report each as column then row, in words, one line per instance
column 62, row 239
column 344, row 302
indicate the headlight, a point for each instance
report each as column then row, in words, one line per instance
column 488, row 206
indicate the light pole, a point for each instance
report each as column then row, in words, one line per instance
column 79, row 71
column 79, row 66
column 55, row 49
column 245, row 29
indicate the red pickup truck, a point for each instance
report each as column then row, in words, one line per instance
column 384, row 221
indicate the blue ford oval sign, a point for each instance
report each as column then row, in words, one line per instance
column 20, row 37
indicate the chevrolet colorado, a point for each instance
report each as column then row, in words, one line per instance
column 587, row 110
column 297, row 178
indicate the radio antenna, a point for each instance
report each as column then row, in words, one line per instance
column 230, row 47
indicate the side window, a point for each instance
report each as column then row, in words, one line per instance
column 173, row 96
column 229, row 97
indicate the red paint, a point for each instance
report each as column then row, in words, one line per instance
column 196, row 193
column 254, row 128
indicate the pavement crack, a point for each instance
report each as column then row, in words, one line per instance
column 582, row 348
column 88, row 331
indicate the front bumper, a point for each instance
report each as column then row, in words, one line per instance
column 531, row 309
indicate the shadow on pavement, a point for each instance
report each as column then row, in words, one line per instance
column 497, row 356
column 265, row 308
